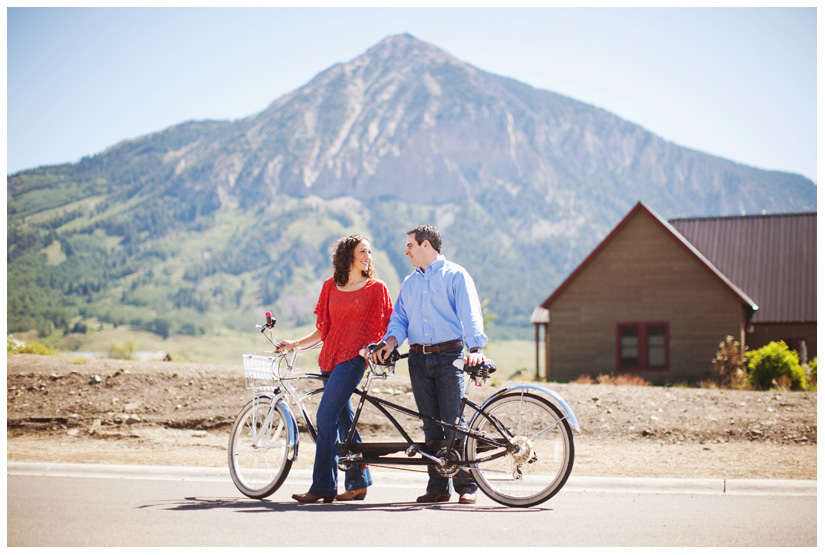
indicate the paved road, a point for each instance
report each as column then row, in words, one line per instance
column 101, row 505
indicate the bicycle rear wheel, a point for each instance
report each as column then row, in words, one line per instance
column 260, row 454
column 539, row 458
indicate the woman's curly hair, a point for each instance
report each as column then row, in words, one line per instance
column 343, row 253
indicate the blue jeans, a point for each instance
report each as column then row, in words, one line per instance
column 438, row 388
column 333, row 421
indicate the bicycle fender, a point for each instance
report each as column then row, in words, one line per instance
column 291, row 423
column 568, row 412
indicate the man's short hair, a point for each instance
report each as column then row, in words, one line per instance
column 429, row 233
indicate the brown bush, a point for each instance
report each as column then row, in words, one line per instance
column 621, row 379
column 730, row 364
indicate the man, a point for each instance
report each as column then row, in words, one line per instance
column 439, row 313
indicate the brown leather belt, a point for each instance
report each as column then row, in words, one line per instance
column 438, row 347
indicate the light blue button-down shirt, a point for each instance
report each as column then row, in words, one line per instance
column 436, row 305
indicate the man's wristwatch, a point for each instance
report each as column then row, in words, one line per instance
column 477, row 350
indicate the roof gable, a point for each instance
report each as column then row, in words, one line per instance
column 684, row 243
column 772, row 257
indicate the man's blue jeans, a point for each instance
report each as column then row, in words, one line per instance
column 333, row 421
column 438, row 388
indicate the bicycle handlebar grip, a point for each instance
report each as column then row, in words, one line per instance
column 391, row 359
column 269, row 321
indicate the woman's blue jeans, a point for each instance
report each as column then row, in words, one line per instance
column 438, row 388
column 333, row 422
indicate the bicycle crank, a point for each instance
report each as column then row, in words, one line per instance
column 451, row 458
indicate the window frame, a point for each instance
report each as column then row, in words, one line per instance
column 643, row 346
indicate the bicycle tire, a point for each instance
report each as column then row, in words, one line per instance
column 540, row 458
column 259, row 447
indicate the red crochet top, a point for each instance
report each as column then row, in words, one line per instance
column 350, row 320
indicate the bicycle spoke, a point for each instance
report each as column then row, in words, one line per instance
column 258, row 449
column 540, row 453
column 549, row 428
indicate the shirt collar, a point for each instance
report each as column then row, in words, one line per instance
column 436, row 265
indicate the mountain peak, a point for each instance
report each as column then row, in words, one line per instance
column 408, row 49
column 402, row 42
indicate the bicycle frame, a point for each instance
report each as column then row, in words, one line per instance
column 498, row 444
column 290, row 393
column 376, row 452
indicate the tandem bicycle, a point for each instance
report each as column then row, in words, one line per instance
column 517, row 445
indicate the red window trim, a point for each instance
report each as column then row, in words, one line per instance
column 643, row 349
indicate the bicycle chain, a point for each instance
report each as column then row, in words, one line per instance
column 396, row 468
column 406, row 469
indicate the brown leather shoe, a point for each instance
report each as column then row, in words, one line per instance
column 309, row 498
column 467, row 498
column 433, row 498
column 352, row 495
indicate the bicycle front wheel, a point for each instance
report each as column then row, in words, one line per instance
column 539, row 456
column 260, row 450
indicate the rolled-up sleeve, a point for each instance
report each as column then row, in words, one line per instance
column 399, row 322
column 468, row 309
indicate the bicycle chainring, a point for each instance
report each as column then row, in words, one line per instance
column 452, row 467
column 348, row 463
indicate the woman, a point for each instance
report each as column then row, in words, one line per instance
column 353, row 311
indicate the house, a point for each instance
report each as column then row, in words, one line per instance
column 655, row 298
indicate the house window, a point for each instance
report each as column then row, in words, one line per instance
column 643, row 346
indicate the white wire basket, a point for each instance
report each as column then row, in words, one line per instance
column 261, row 370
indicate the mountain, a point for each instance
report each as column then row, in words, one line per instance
column 203, row 224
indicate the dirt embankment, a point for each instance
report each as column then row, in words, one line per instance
column 132, row 412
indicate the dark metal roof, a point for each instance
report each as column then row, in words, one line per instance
column 772, row 258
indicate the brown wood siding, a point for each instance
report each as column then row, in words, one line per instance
column 642, row 275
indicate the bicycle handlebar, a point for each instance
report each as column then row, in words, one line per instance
column 479, row 371
column 392, row 358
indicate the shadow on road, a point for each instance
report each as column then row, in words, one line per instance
column 264, row 506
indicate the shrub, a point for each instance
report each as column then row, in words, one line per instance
column 12, row 345
column 29, row 349
column 812, row 374
column 123, row 351
column 630, row 379
column 730, row 364
column 769, row 364
column 621, row 379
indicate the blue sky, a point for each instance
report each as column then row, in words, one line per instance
column 739, row 83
